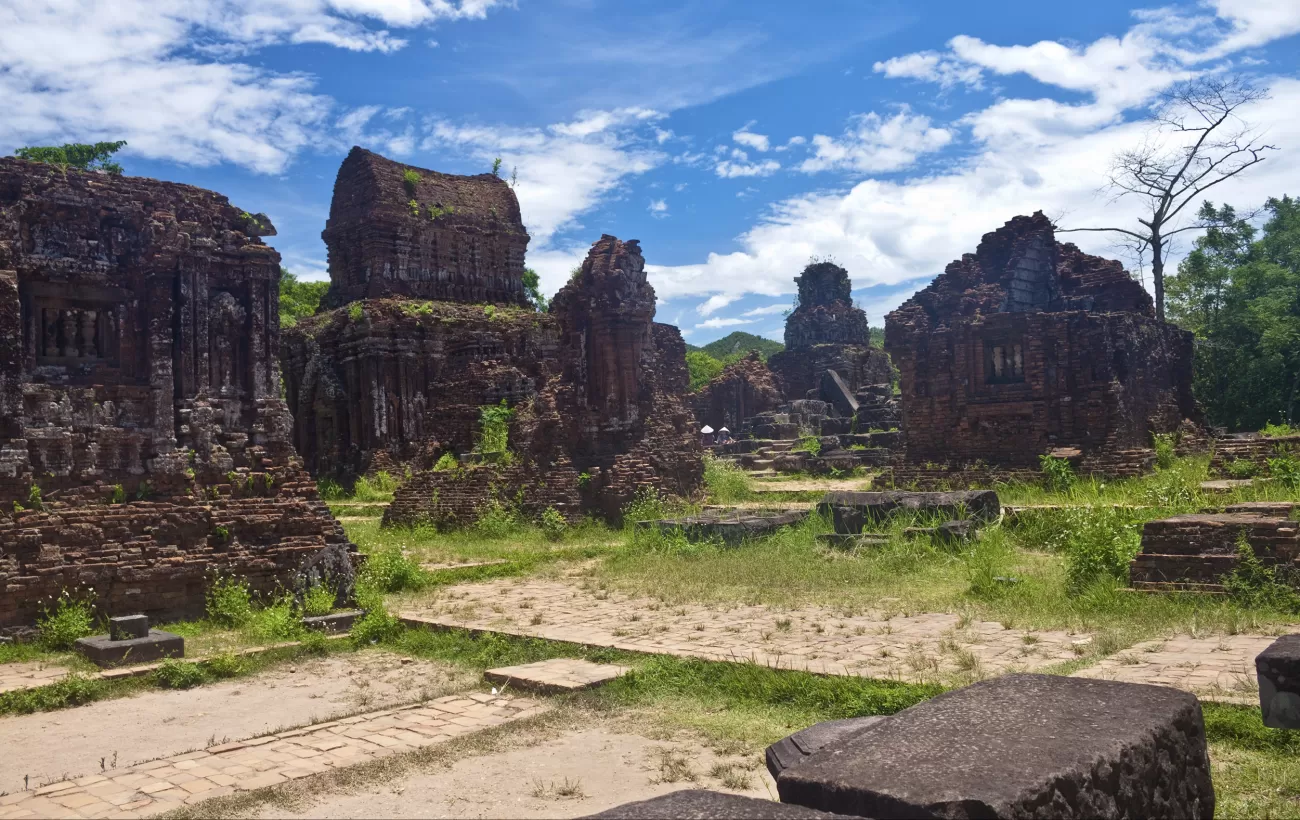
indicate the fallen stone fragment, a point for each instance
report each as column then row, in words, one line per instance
column 1020, row 746
column 700, row 804
column 796, row 748
column 1278, row 670
column 851, row 511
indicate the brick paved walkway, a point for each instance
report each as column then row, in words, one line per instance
column 14, row 676
column 919, row 648
column 161, row 785
column 930, row 647
column 1214, row 667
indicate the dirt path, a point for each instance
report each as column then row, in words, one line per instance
column 576, row 774
column 160, row 723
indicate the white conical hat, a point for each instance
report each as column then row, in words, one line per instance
column 706, row 429
column 724, row 430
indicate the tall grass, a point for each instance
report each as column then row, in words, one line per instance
column 726, row 482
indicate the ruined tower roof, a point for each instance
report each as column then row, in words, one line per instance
column 1021, row 267
column 825, row 314
column 400, row 230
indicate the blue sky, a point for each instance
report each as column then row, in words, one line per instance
column 735, row 139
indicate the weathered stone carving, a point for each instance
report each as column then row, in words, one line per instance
column 139, row 396
column 1027, row 346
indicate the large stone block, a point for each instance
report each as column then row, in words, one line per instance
column 1020, row 746
column 699, row 804
column 1278, row 669
column 851, row 511
column 792, row 750
column 103, row 651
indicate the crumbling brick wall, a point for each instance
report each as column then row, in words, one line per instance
column 1028, row 345
column 743, row 389
column 139, row 337
column 398, row 230
column 826, row 332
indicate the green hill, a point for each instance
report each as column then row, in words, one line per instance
column 739, row 342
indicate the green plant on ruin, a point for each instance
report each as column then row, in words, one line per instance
column 278, row 621
column 378, row 488
column 410, row 179
column 497, row 519
column 1241, row 468
column 414, row 206
column 143, row 491
column 445, row 462
column 330, row 490
column 584, row 480
column 388, row 569
column 34, row 501
column 436, row 211
column 221, row 533
column 66, row 618
column 228, row 602
column 1284, row 468
column 808, row 443
column 494, row 428
column 1058, row 474
column 554, row 525
column 496, row 167
column 1257, row 585
column 355, row 311
column 533, row 290
column 92, row 157
column 1275, row 430
column 1165, row 445
column 319, row 600
column 490, row 311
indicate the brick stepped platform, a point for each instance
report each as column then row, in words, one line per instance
column 1253, row 448
column 1196, row 551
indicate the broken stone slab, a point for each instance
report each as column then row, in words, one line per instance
column 947, row 533
column 730, row 527
column 796, row 748
column 842, row 541
column 701, row 804
column 105, row 652
column 1278, row 671
column 556, row 676
column 128, row 626
column 852, row 511
column 1020, row 746
column 334, row 622
column 837, row 394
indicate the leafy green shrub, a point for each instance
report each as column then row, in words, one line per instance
column 808, row 443
column 356, row 312
column 225, row 665
column 554, row 524
column 1258, row 586
column 315, row 643
column 173, row 673
column 1100, row 542
column 1058, row 474
column 1285, row 469
column 319, row 600
column 1272, row 430
column 446, row 461
column 387, row 569
column 496, row 520
column 34, row 501
column 1164, row 445
column 726, row 482
column 378, row 488
column 410, row 179
column 377, row 625
column 1241, row 468
column 494, row 428
column 647, row 505
column 702, row 367
column 119, row 494
column 229, row 602
column 278, row 622
column 1177, row 487
column 330, row 490
column 66, row 618
column 92, row 157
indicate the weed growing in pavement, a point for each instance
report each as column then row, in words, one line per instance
column 177, row 674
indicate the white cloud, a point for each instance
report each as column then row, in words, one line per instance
column 165, row 76
column 718, row 322
column 747, row 138
column 715, row 303
column 931, row 67
column 662, row 135
column 730, row 169
column 564, row 170
column 658, row 208
column 873, row 144
column 1254, row 22
column 767, row 310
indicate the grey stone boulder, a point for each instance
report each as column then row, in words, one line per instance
column 700, row 804
column 851, row 511
column 1278, row 670
column 796, row 748
column 1020, row 746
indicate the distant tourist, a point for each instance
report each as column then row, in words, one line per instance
column 706, row 435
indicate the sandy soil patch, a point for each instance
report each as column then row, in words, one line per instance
column 575, row 774
column 71, row 742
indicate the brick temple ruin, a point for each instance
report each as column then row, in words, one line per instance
column 1030, row 346
column 426, row 324
column 829, row 383
column 143, row 441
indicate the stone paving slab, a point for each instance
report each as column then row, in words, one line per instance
column 169, row 783
column 1218, row 667
column 556, row 675
column 919, row 648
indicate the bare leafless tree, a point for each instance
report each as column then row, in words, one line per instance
column 1197, row 140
